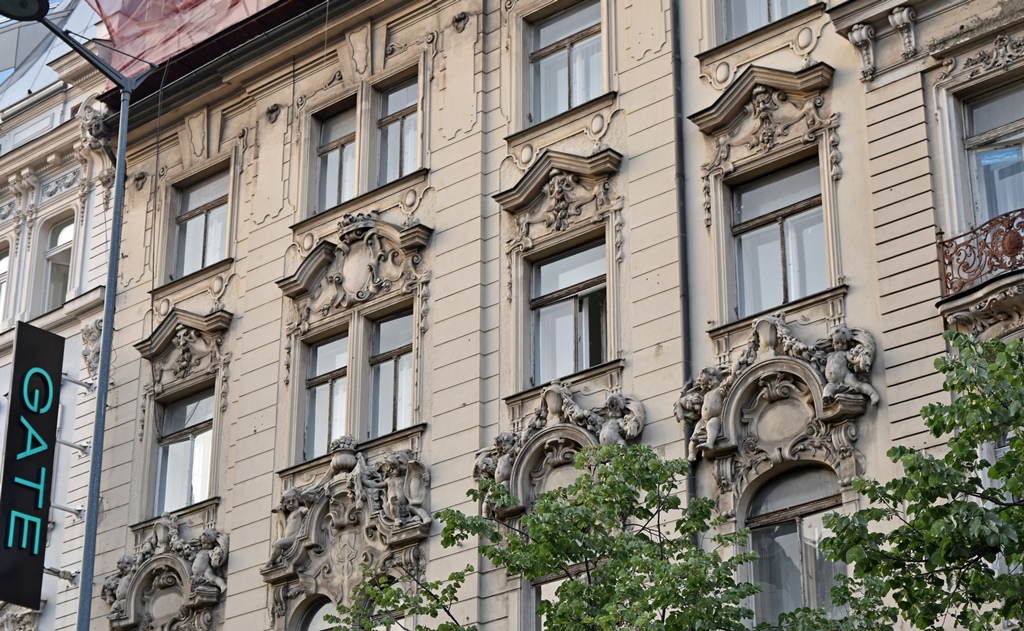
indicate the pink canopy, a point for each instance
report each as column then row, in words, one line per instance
column 155, row 30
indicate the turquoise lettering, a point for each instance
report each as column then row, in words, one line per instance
column 33, row 404
column 15, row 516
column 38, row 486
column 33, row 436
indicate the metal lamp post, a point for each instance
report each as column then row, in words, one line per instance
column 35, row 10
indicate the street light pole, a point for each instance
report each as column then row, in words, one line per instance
column 35, row 10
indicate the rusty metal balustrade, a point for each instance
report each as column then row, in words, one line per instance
column 989, row 250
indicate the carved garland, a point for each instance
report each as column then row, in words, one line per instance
column 781, row 400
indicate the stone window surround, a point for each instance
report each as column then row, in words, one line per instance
column 166, row 230
column 364, row 96
column 41, row 269
column 516, row 27
column 731, row 127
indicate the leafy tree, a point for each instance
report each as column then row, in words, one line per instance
column 942, row 543
column 632, row 555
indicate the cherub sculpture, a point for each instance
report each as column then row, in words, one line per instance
column 506, row 448
column 291, row 513
column 211, row 554
column 115, row 587
column 710, row 382
column 388, row 485
column 623, row 419
column 850, row 353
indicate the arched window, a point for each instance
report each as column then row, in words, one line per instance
column 785, row 522
column 314, row 618
column 58, row 263
column 5, row 265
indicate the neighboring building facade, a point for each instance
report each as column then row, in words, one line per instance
column 374, row 251
column 53, row 254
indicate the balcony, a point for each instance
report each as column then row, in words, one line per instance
column 982, row 275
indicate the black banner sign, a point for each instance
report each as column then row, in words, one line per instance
column 28, row 463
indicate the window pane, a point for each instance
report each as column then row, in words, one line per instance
column 204, row 192
column 805, row 254
column 777, row 571
column 187, row 412
column 338, row 126
column 403, row 402
column 399, row 98
column 202, row 455
column 796, row 488
column 759, row 255
column 392, row 334
column 782, row 8
column 566, row 23
column 339, row 400
column 61, row 234
column 318, row 414
column 5, row 260
column 821, row 573
column 778, row 190
column 330, row 171
column 408, row 144
column 592, row 329
column 1001, row 179
column 3, row 295
column 550, row 86
column 216, row 234
column 348, row 172
column 996, row 110
column 329, row 356
column 382, row 399
column 390, row 152
column 742, row 16
column 555, row 340
column 586, row 70
column 59, row 271
column 174, row 475
column 190, row 246
column 566, row 271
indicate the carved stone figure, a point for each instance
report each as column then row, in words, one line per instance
column 210, row 555
column 292, row 512
column 385, row 484
column 623, row 419
column 852, row 353
column 14, row 618
column 115, row 586
column 708, row 401
column 506, row 448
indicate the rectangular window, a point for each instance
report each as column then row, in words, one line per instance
column 391, row 375
column 185, row 452
column 327, row 396
column 58, row 263
column 569, row 305
column 397, row 132
column 5, row 264
column 739, row 17
column 995, row 142
column 780, row 238
column 202, row 221
column 565, row 61
column 337, row 156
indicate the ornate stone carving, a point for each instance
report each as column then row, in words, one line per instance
column 781, row 400
column 167, row 567
column 903, row 19
column 91, row 346
column 994, row 310
column 1005, row 51
column 862, row 36
column 60, row 184
column 618, row 420
column 762, row 110
column 93, row 130
column 6, row 210
column 362, row 509
column 14, row 618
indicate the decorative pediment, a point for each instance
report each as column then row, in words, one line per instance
column 531, row 458
column 781, row 400
column 170, row 582
column 186, row 347
column 535, row 180
column 169, row 330
column 361, row 510
column 369, row 258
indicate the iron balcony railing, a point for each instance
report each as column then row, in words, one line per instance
column 991, row 249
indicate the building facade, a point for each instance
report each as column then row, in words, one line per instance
column 375, row 251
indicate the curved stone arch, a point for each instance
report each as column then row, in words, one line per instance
column 545, row 459
column 758, row 482
column 159, row 573
column 749, row 382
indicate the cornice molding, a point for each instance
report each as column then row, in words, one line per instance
column 163, row 335
column 600, row 164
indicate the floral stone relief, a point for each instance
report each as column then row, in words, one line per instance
column 170, row 582
column 781, row 400
column 361, row 510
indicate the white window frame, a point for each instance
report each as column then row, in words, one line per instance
column 188, row 433
column 5, row 280
column 382, row 121
column 771, row 6
column 182, row 218
column 568, row 43
column 350, row 140
column 330, row 379
column 974, row 144
column 51, row 252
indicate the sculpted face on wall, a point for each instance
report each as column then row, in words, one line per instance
column 781, row 400
column 549, row 437
column 169, row 582
column 361, row 510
